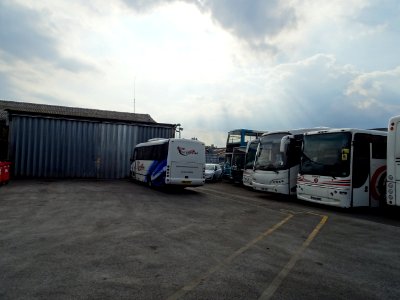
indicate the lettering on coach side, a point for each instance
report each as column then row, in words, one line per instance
column 184, row 152
column 140, row 167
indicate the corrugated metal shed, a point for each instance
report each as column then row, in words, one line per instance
column 3, row 115
column 57, row 146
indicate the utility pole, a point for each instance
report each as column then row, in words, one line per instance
column 134, row 95
column 178, row 129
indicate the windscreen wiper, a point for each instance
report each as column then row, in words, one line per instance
column 310, row 161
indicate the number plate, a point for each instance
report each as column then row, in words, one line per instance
column 186, row 181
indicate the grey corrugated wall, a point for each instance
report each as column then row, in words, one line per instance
column 65, row 148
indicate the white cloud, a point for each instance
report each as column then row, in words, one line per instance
column 211, row 66
column 376, row 91
column 308, row 93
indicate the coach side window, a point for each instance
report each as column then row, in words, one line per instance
column 379, row 145
column 361, row 160
column 134, row 154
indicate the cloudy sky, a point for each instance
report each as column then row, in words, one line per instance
column 210, row 65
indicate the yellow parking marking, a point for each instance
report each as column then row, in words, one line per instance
column 238, row 199
column 191, row 285
column 299, row 212
column 271, row 289
column 314, row 213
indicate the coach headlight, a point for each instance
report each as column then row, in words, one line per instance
column 390, row 177
column 390, row 197
column 390, row 185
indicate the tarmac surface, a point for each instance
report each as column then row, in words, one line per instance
column 88, row 239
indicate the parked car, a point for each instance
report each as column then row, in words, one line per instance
column 213, row 172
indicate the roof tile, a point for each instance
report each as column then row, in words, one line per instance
column 72, row 112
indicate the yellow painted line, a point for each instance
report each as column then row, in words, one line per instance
column 271, row 289
column 239, row 199
column 299, row 212
column 191, row 285
column 314, row 213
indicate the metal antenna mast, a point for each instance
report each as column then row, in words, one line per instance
column 134, row 95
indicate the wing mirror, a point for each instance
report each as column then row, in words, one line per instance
column 285, row 141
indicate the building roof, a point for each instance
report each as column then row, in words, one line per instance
column 3, row 115
column 66, row 111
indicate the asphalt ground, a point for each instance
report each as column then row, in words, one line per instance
column 86, row 239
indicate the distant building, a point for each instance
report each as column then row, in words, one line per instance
column 215, row 155
column 50, row 141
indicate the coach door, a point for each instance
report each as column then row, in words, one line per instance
column 361, row 170
column 378, row 170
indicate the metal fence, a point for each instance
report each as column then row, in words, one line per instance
column 68, row 148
